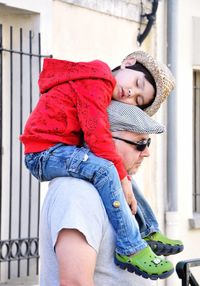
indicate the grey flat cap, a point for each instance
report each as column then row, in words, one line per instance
column 126, row 117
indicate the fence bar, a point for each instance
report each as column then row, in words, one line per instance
column 30, row 178
column 26, row 248
column 38, row 211
column 11, row 142
column 23, row 53
column 20, row 145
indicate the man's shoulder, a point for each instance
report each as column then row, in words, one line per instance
column 78, row 195
column 72, row 203
column 73, row 187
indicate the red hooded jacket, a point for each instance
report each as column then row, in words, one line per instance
column 74, row 99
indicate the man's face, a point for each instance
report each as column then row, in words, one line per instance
column 131, row 157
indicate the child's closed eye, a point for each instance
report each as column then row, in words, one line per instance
column 139, row 100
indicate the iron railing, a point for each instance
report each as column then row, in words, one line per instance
column 19, row 192
column 183, row 269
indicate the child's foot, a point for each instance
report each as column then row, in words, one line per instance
column 161, row 245
column 146, row 264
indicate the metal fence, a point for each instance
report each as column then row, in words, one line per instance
column 20, row 64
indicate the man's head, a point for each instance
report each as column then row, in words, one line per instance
column 142, row 81
column 130, row 127
column 131, row 156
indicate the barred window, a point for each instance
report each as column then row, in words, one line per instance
column 196, row 191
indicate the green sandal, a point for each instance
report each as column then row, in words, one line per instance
column 161, row 245
column 146, row 264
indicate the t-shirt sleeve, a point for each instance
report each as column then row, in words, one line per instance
column 93, row 98
column 77, row 205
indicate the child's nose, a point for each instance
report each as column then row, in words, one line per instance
column 130, row 92
column 133, row 92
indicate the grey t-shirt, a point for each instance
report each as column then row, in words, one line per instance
column 75, row 204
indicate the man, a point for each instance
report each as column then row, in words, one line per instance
column 77, row 240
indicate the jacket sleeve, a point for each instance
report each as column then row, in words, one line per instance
column 93, row 98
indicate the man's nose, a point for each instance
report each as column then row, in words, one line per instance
column 146, row 152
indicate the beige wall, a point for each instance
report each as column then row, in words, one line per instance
column 82, row 34
column 185, row 43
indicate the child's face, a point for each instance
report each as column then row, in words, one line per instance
column 133, row 88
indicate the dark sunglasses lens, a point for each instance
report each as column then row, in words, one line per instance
column 141, row 147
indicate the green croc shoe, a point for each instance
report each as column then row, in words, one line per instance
column 162, row 245
column 146, row 264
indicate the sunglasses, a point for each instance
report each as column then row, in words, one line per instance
column 140, row 145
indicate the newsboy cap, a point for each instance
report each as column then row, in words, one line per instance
column 126, row 117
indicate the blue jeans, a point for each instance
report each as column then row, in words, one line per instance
column 145, row 217
column 62, row 160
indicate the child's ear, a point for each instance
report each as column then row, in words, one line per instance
column 128, row 62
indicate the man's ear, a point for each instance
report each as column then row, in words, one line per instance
column 128, row 62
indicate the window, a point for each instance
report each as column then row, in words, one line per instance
column 196, row 191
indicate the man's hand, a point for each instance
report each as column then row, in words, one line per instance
column 129, row 196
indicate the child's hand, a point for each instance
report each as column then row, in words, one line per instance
column 129, row 196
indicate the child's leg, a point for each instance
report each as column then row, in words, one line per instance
column 145, row 217
column 51, row 163
column 149, row 228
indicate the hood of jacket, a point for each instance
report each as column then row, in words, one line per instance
column 57, row 72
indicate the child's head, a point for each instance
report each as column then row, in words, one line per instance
column 142, row 81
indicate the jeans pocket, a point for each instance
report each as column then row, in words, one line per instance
column 32, row 164
column 55, row 162
column 79, row 156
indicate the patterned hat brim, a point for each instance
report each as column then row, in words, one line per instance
column 126, row 117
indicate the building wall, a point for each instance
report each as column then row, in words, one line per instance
column 187, row 58
column 83, row 30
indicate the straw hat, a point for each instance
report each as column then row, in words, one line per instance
column 163, row 77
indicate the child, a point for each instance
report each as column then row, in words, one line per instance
column 72, row 109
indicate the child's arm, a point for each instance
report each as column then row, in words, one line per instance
column 92, row 103
column 93, row 98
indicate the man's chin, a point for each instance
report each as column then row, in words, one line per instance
column 132, row 172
